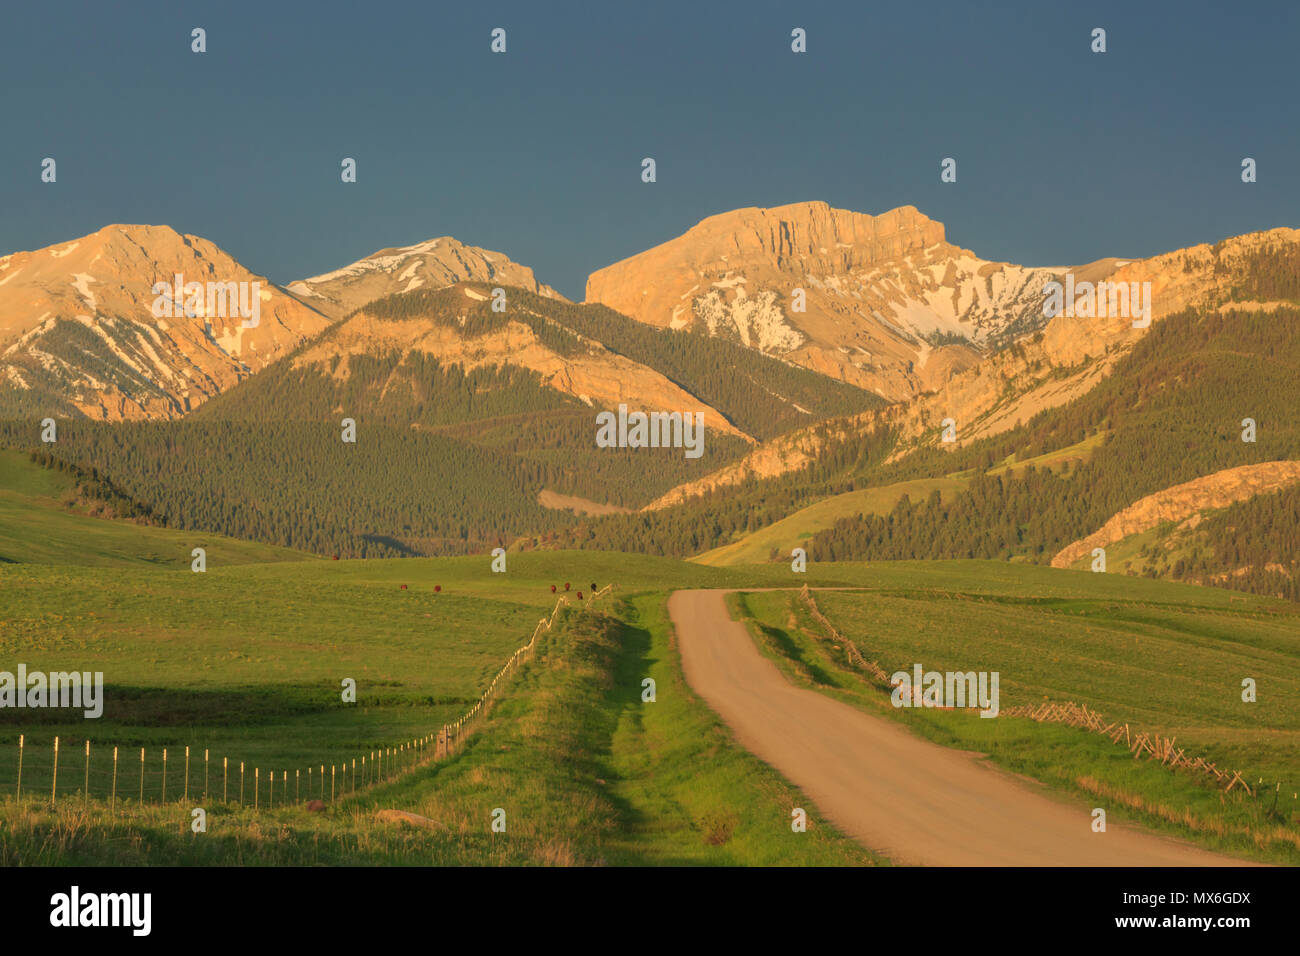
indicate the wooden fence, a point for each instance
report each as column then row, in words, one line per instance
column 42, row 770
column 1151, row 745
column 850, row 649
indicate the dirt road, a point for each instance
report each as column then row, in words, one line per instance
column 914, row 801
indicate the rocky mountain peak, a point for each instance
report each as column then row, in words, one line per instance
column 432, row 264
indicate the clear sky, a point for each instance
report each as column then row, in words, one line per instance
column 1063, row 155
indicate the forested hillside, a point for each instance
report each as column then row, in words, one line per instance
column 1251, row 546
column 760, row 395
column 392, row 388
column 1171, row 410
column 396, row 491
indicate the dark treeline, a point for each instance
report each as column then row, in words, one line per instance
column 91, row 486
column 396, row 491
column 717, row 517
column 998, row 516
column 562, row 442
column 1270, row 273
column 1253, row 545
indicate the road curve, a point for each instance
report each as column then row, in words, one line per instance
column 913, row 801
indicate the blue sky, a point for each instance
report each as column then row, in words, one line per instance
column 1064, row 156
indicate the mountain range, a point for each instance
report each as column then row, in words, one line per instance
column 827, row 350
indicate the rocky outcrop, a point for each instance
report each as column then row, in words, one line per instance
column 888, row 304
column 1184, row 501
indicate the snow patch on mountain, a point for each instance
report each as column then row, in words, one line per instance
column 758, row 322
column 81, row 282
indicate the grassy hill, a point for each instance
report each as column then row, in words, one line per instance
column 797, row 530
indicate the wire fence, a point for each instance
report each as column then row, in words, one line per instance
column 119, row 774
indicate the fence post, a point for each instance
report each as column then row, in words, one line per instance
column 164, row 779
column 205, row 773
column 19, row 794
column 322, row 781
column 186, row 794
column 142, row 776
column 333, row 768
column 54, row 786
column 87, row 783
column 112, row 805
column 297, row 786
column 225, row 779
column 257, row 785
column 241, row 783
column 354, row 774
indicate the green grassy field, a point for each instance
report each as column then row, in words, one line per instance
column 586, row 772
column 1166, row 659
column 246, row 661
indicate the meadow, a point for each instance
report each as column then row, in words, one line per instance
column 1164, row 659
column 246, row 661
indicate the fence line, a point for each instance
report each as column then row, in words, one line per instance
column 850, row 649
column 1071, row 714
column 375, row 767
column 1152, row 744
